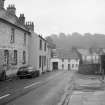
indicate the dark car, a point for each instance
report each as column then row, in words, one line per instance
column 27, row 71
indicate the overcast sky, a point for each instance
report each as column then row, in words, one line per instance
column 55, row 16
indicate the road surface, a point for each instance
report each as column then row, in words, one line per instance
column 45, row 90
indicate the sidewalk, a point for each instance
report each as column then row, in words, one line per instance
column 87, row 91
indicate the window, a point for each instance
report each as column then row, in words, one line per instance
column 15, row 57
column 6, row 57
column 72, row 65
column 62, row 59
column 45, row 60
column 12, row 35
column 76, row 65
column 69, row 60
column 40, row 61
column 62, row 66
column 24, row 38
column 24, row 57
column 45, row 46
column 40, row 44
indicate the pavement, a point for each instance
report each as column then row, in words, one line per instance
column 87, row 91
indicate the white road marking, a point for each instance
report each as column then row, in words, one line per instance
column 32, row 85
column 4, row 96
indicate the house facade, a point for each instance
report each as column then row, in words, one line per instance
column 14, row 39
column 39, row 53
column 64, row 64
column 89, row 57
column 19, row 44
column 65, row 61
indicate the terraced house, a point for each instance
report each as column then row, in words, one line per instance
column 14, row 39
column 40, row 53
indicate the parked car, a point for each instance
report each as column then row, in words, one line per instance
column 27, row 71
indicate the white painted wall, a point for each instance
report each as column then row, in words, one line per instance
column 74, row 63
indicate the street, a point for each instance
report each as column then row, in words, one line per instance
column 54, row 88
column 44, row 90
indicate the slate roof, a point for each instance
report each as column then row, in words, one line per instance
column 84, row 52
column 87, row 52
column 67, row 54
column 12, row 20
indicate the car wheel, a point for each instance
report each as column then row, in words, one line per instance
column 33, row 75
column 3, row 76
column 20, row 77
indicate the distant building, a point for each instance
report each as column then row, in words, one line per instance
column 63, row 60
column 90, row 56
column 14, row 39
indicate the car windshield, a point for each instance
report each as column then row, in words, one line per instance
column 22, row 68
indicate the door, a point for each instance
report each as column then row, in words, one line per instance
column 42, row 63
column 55, row 65
column 68, row 66
column 6, row 55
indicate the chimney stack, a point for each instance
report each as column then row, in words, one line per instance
column 2, row 4
column 22, row 19
column 11, row 9
column 30, row 25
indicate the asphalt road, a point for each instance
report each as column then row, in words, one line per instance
column 45, row 90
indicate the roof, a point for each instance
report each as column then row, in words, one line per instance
column 7, row 22
column 67, row 54
column 42, row 38
column 84, row 52
column 12, row 20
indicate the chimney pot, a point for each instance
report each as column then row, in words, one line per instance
column 2, row 4
column 22, row 19
column 11, row 9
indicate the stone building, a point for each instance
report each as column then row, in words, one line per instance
column 19, row 44
column 39, row 53
column 14, row 39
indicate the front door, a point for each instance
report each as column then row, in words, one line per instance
column 6, row 55
column 42, row 64
column 55, row 65
column 68, row 66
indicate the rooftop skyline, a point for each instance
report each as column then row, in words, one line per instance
column 55, row 16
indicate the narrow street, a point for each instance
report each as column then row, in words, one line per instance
column 44, row 90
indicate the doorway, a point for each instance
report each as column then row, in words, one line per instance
column 68, row 66
column 55, row 65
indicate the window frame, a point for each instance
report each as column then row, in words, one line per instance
column 24, row 57
column 45, row 46
column 40, row 61
column 12, row 40
column 15, row 57
column 40, row 44
column 25, row 38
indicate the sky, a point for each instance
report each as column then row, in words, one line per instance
column 68, row 16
